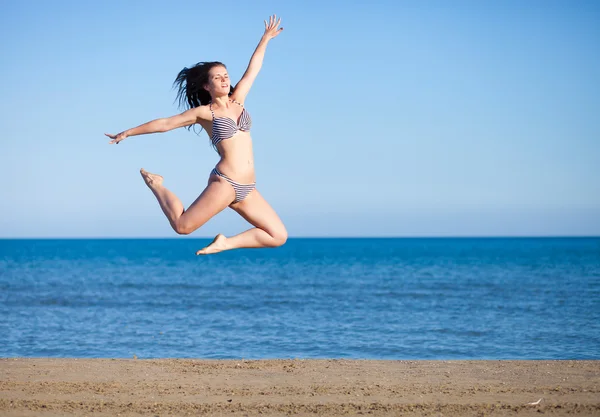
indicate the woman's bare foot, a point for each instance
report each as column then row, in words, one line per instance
column 218, row 244
column 152, row 180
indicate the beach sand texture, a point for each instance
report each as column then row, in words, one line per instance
column 327, row 387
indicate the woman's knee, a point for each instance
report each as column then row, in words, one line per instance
column 183, row 230
column 183, row 227
column 279, row 237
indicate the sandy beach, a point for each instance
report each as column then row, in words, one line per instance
column 328, row 387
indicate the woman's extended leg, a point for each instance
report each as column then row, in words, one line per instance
column 269, row 230
column 217, row 195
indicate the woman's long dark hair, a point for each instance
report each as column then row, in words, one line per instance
column 190, row 84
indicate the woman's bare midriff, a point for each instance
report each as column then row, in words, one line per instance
column 237, row 160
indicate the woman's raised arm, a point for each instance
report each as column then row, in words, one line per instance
column 243, row 86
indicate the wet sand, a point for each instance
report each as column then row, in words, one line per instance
column 180, row 387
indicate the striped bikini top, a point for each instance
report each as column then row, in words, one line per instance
column 225, row 127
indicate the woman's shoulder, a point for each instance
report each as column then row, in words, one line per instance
column 236, row 98
column 203, row 112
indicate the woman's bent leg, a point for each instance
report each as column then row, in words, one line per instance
column 217, row 195
column 269, row 230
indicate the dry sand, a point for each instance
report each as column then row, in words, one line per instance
column 178, row 387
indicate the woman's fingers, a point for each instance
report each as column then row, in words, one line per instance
column 115, row 138
column 273, row 24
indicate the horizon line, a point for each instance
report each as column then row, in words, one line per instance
column 306, row 237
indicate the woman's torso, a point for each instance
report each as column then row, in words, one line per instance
column 229, row 132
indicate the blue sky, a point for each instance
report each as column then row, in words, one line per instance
column 384, row 118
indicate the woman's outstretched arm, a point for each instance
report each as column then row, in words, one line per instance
column 243, row 87
column 164, row 124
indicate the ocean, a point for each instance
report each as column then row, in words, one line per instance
column 354, row 298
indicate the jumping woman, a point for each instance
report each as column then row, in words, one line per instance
column 211, row 101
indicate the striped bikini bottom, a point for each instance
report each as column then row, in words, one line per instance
column 241, row 190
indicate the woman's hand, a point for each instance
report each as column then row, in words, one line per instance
column 271, row 27
column 116, row 138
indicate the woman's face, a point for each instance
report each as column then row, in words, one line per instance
column 218, row 81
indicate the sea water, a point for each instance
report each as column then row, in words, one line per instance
column 363, row 298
